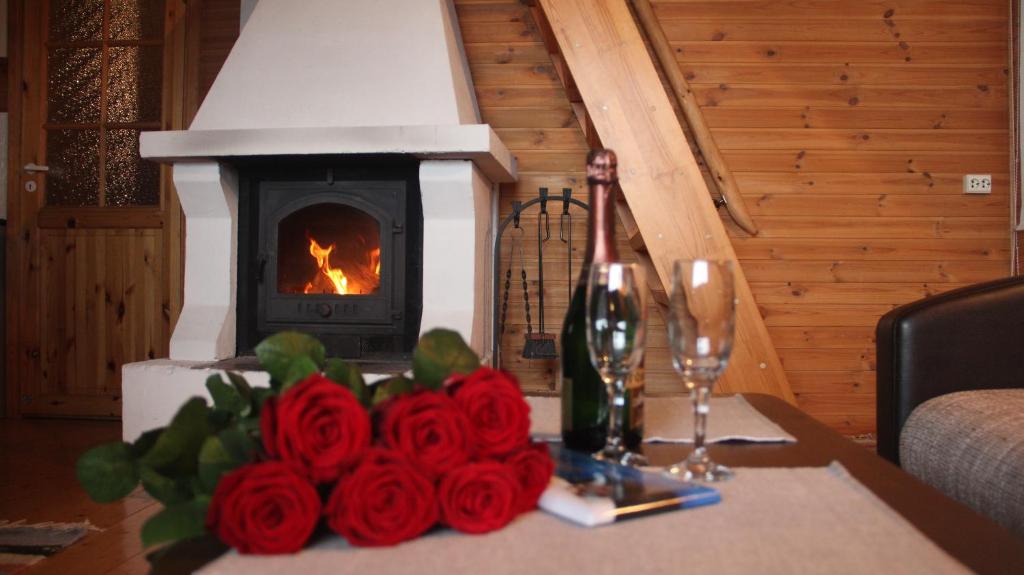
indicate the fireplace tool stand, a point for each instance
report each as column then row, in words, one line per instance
column 538, row 345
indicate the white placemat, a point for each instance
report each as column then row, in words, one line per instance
column 785, row 521
column 670, row 419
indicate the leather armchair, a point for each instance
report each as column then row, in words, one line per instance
column 964, row 339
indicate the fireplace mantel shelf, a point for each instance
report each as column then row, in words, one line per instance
column 476, row 142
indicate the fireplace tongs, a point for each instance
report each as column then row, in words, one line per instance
column 540, row 345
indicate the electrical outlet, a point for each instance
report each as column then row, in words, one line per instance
column 978, row 183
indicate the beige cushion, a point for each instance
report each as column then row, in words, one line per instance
column 970, row 446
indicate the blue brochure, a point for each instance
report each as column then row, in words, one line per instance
column 591, row 492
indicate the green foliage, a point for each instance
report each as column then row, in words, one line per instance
column 145, row 442
column 175, row 452
column 389, row 388
column 298, row 370
column 166, row 490
column 176, row 522
column 343, row 373
column 108, row 472
column 439, row 354
column 181, row 464
column 278, row 352
column 227, row 397
column 220, row 454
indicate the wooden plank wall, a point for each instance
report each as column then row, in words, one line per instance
column 848, row 124
column 218, row 30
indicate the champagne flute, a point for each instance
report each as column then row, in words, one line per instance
column 616, row 334
column 700, row 328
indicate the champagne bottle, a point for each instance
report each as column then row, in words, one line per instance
column 584, row 396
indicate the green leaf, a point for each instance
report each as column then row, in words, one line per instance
column 238, row 444
column 439, row 354
column 389, row 388
column 260, row 395
column 214, row 461
column 176, row 522
column 219, row 419
column 175, row 451
column 347, row 375
column 226, row 397
column 229, row 450
column 249, row 425
column 241, row 385
column 300, row 369
column 145, row 442
column 107, row 472
column 278, row 352
column 165, row 489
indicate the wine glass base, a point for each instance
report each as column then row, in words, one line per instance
column 702, row 472
column 622, row 457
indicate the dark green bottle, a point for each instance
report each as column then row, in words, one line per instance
column 584, row 397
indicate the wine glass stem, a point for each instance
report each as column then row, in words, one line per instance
column 617, row 402
column 700, row 396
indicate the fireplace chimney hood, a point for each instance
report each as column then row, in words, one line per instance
column 342, row 77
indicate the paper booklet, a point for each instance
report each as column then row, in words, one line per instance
column 591, row 492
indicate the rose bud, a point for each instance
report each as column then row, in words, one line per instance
column 479, row 497
column 264, row 508
column 428, row 429
column 384, row 501
column 533, row 468
column 318, row 425
column 494, row 404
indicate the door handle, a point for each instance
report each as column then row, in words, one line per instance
column 33, row 168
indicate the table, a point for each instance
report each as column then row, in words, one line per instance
column 974, row 540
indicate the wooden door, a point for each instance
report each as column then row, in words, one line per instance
column 93, row 230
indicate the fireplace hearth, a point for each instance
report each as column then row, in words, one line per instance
column 332, row 248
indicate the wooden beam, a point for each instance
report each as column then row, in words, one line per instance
column 658, row 174
column 721, row 175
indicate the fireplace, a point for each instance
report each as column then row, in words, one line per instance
column 332, row 248
column 312, row 150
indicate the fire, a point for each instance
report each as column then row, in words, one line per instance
column 334, row 280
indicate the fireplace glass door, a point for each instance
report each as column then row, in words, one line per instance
column 334, row 253
column 328, row 249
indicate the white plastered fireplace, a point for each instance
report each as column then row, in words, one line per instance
column 327, row 78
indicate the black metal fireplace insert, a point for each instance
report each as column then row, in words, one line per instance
column 331, row 247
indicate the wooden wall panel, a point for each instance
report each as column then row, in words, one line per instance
column 217, row 31
column 848, row 124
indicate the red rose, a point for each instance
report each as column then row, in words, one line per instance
column 264, row 508
column 318, row 425
column 428, row 429
column 533, row 467
column 495, row 406
column 479, row 497
column 383, row 502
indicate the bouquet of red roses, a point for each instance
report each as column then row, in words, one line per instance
column 264, row 467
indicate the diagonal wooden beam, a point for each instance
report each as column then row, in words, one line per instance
column 721, row 174
column 658, row 174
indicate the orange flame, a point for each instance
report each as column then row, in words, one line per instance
column 323, row 261
column 375, row 261
column 330, row 279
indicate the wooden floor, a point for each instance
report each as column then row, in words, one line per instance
column 37, row 483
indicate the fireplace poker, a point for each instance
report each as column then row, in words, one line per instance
column 565, row 223
column 541, row 345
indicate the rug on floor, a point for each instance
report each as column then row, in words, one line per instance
column 23, row 545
